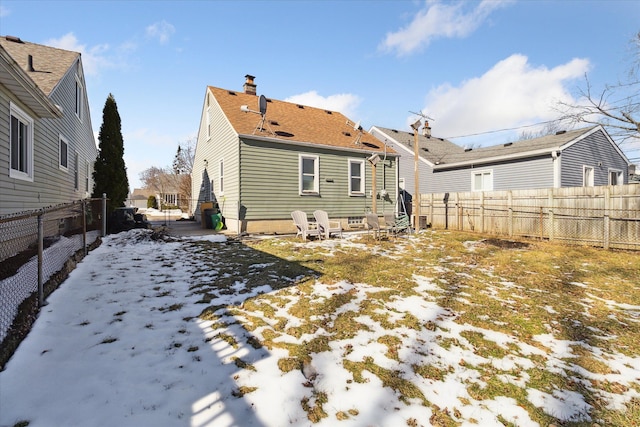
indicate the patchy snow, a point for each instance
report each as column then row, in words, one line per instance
column 120, row 343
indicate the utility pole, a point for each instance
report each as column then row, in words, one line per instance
column 416, row 175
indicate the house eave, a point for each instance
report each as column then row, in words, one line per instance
column 494, row 159
column 24, row 88
column 314, row 145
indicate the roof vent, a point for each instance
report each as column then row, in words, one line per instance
column 394, row 131
column 274, row 123
column 301, row 106
column 425, row 149
column 560, row 132
column 346, row 133
column 231, row 92
column 467, row 149
column 30, row 63
column 328, row 112
column 13, row 39
column 508, row 144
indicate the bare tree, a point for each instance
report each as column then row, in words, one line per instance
column 159, row 180
column 616, row 106
column 182, row 167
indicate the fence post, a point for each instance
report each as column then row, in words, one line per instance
column 84, row 226
column 482, row 211
column 551, row 216
column 458, row 211
column 607, row 223
column 510, row 212
column 104, row 214
column 431, row 209
column 41, row 301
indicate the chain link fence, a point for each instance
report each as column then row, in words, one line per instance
column 35, row 245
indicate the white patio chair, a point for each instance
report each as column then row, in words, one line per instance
column 305, row 228
column 373, row 223
column 325, row 225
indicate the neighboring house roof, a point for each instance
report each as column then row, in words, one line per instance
column 443, row 154
column 525, row 148
column 294, row 123
column 18, row 82
column 45, row 65
column 430, row 148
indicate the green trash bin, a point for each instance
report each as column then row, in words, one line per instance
column 216, row 221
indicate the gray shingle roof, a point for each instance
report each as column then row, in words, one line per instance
column 442, row 152
column 432, row 149
column 50, row 64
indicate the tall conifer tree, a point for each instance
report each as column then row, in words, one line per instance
column 110, row 172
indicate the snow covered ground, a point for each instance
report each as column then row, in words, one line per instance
column 121, row 344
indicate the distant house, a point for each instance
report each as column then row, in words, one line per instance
column 259, row 159
column 582, row 157
column 48, row 148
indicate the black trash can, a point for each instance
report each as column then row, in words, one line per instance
column 207, row 217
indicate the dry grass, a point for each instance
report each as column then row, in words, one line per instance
column 506, row 294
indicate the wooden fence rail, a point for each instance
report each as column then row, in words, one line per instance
column 607, row 216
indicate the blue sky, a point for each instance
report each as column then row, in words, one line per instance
column 472, row 66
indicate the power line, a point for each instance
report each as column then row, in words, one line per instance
column 503, row 130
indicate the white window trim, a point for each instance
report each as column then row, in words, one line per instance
column 208, row 121
column 593, row 171
column 63, row 140
column 76, row 171
column 316, row 174
column 87, row 179
column 221, row 177
column 619, row 173
column 79, row 103
column 474, row 173
column 26, row 119
column 362, row 191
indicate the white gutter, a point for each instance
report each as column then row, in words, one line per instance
column 314, row 145
column 483, row 160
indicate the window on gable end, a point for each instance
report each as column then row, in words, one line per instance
column 21, row 146
column 76, row 171
column 63, row 153
column 615, row 177
column 221, row 178
column 78, row 98
column 587, row 176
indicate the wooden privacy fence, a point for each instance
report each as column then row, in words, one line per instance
column 607, row 216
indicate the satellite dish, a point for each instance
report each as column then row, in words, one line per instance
column 263, row 105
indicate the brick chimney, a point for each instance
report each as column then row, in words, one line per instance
column 249, row 86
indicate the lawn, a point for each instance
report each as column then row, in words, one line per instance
column 439, row 328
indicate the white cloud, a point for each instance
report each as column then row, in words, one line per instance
column 512, row 93
column 344, row 103
column 439, row 20
column 93, row 59
column 160, row 30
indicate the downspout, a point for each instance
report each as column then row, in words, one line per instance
column 555, row 155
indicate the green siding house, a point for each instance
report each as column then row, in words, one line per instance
column 47, row 146
column 258, row 159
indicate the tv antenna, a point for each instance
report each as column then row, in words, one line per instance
column 262, row 106
column 356, row 126
column 424, row 116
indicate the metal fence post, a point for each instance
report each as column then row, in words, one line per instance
column 41, row 301
column 104, row 214
column 84, row 226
